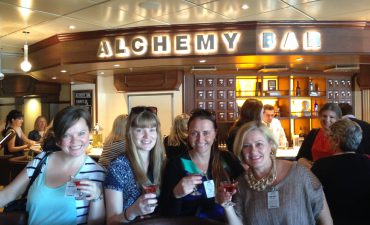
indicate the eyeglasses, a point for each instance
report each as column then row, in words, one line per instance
column 140, row 109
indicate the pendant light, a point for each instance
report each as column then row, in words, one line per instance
column 1, row 70
column 26, row 65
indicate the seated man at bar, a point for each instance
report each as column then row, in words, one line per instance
column 345, row 176
column 274, row 125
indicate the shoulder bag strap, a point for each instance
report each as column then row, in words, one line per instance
column 35, row 174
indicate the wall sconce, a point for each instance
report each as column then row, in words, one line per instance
column 1, row 73
column 26, row 65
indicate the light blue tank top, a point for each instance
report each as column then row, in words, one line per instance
column 48, row 205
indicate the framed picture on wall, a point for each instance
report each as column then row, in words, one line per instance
column 271, row 85
column 84, row 98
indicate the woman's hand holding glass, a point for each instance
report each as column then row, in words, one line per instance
column 187, row 185
column 90, row 189
column 225, row 192
column 145, row 204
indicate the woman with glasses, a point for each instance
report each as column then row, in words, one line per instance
column 189, row 181
column 18, row 141
column 140, row 165
column 55, row 197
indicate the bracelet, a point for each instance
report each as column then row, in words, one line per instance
column 126, row 217
column 98, row 198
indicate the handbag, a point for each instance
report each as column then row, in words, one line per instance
column 19, row 205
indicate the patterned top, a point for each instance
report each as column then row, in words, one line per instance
column 89, row 169
column 121, row 177
column 300, row 197
column 110, row 152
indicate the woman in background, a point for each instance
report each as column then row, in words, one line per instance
column 345, row 175
column 317, row 143
column 141, row 164
column 176, row 143
column 114, row 144
column 39, row 129
column 50, row 198
column 16, row 145
column 251, row 110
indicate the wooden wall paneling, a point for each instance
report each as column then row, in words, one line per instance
column 363, row 78
column 156, row 81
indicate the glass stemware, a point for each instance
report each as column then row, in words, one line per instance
column 229, row 187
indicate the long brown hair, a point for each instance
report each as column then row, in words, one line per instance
column 144, row 119
column 218, row 172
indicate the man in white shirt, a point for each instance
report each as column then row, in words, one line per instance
column 274, row 125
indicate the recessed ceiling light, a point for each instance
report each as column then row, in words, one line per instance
column 149, row 5
column 202, row 61
column 116, row 65
column 63, row 71
column 72, row 82
column 299, row 59
column 101, row 73
column 245, row 6
column 72, row 27
column 53, row 78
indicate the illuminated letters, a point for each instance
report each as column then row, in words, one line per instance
column 139, row 45
column 161, row 44
column 205, row 43
column 182, row 44
column 231, row 40
column 105, row 50
column 312, row 40
column 120, row 48
column 289, row 42
column 268, row 40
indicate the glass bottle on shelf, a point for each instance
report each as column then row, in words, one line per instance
column 298, row 89
column 311, row 87
column 316, row 108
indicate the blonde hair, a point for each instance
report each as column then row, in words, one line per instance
column 144, row 119
column 35, row 126
column 118, row 131
column 179, row 130
column 248, row 128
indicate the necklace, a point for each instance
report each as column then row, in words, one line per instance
column 261, row 184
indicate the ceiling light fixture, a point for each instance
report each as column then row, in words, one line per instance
column 116, row 65
column 1, row 73
column 63, row 71
column 273, row 68
column 26, row 65
column 72, row 27
column 202, row 61
column 245, row 6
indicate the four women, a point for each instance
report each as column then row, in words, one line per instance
column 191, row 183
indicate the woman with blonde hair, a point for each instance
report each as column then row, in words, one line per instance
column 285, row 191
column 141, row 164
column 39, row 129
column 114, row 144
column 176, row 143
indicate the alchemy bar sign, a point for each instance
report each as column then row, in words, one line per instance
column 210, row 43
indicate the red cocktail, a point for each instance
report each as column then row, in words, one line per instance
column 151, row 188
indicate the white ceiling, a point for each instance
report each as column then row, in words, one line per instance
column 45, row 18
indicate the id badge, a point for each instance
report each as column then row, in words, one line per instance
column 273, row 199
column 71, row 189
column 209, row 187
